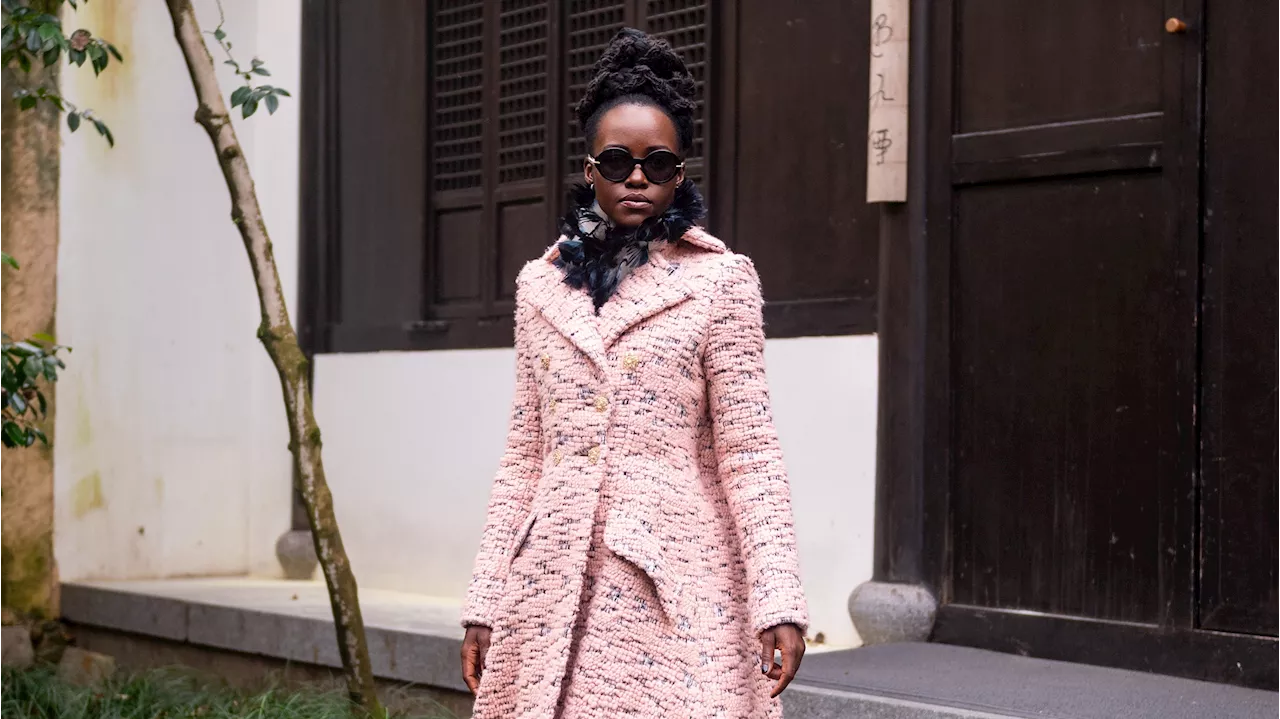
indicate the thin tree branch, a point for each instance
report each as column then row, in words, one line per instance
column 278, row 336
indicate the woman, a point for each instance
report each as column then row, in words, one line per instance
column 639, row 557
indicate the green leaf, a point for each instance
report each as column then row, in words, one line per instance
column 77, row 57
column 73, row 121
column 18, row 404
column 44, row 337
column 219, row 34
column 48, row 32
column 27, row 102
column 250, row 107
column 240, row 95
column 37, row 433
column 51, row 55
column 273, row 103
column 33, row 40
column 8, row 260
column 6, row 37
column 104, row 131
column 13, row 435
column 33, row 367
column 115, row 53
column 281, row 92
column 261, row 71
column 97, row 57
column 44, row 404
column 24, row 62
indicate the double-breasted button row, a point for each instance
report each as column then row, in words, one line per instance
column 593, row 455
column 629, row 362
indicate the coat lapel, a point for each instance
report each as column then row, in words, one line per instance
column 650, row 288
column 567, row 309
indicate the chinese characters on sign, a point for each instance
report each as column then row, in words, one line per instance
column 887, row 102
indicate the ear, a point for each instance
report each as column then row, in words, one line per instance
column 586, row 171
column 680, row 177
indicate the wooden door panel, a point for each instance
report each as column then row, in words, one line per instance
column 1045, row 61
column 799, row 166
column 1071, row 308
column 1065, row 423
column 1238, row 519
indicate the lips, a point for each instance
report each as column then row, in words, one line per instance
column 635, row 201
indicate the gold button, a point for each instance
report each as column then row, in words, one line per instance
column 602, row 403
column 630, row 362
column 556, row 456
column 593, row 454
column 546, row 361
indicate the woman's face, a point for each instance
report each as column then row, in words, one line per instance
column 639, row 130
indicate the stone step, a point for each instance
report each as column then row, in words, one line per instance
column 933, row 681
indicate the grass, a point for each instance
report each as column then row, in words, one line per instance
column 163, row 694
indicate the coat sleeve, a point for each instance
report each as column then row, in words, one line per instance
column 513, row 487
column 749, row 457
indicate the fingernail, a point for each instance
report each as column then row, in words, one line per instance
column 764, row 668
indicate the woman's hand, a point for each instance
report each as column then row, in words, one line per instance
column 788, row 639
column 474, row 647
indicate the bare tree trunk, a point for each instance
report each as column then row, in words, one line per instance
column 276, row 333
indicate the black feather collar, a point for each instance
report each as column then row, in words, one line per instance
column 596, row 255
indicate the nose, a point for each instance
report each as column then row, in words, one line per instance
column 636, row 178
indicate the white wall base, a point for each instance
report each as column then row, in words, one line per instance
column 412, row 439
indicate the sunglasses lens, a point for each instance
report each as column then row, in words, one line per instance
column 661, row 166
column 615, row 165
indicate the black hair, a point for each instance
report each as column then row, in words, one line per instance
column 639, row 69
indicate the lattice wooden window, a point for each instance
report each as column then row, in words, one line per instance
column 522, row 89
column 591, row 24
column 457, row 94
column 683, row 23
column 460, row 177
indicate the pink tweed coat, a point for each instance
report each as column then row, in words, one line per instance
column 639, row 534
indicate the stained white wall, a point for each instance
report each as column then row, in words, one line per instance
column 170, row 449
column 411, row 441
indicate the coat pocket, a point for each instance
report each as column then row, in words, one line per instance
column 630, row 539
column 521, row 535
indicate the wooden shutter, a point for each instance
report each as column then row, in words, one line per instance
column 683, row 23
column 452, row 138
column 591, row 23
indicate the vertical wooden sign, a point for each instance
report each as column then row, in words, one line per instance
column 887, row 101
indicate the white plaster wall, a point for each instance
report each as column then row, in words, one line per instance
column 171, row 446
column 411, row 441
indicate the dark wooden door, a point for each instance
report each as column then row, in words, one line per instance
column 1065, row 250
column 1238, row 460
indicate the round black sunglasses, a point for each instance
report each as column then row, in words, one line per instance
column 616, row 165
